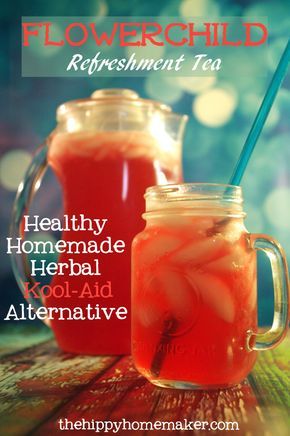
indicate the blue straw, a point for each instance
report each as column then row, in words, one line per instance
column 261, row 117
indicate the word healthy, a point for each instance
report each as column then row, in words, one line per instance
column 69, row 224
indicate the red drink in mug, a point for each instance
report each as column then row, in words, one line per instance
column 105, row 152
column 194, row 288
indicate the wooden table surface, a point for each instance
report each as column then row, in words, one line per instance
column 39, row 384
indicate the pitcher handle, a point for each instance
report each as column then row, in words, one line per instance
column 276, row 255
column 26, row 191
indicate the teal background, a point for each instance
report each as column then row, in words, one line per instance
column 220, row 115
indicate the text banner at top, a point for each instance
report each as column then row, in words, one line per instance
column 138, row 46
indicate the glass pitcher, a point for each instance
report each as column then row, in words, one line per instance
column 105, row 151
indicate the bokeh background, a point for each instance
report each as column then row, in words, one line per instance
column 220, row 111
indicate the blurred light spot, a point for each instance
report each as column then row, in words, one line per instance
column 159, row 88
column 13, row 166
column 199, row 8
column 215, row 106
column 194, row 85
column 102, row 8
column 74, row 125
column 254, row 219
column 277, row 207
column 36, row 185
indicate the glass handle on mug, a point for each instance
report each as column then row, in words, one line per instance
column 26, row 190
column 272, row 337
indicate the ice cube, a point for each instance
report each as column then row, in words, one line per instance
column 177, row 291
column 215, row 293
column 235, row 260
column 168, row 296
column 199, row 251
column 233, row 230
column 154, row 249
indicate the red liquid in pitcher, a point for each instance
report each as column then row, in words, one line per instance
column 194, row 298
column 103, row 175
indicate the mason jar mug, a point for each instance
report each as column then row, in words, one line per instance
column 194, row 288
